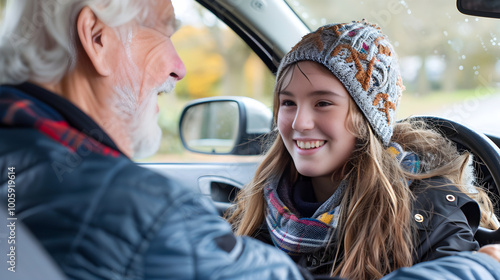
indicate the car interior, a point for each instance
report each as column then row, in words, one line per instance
column 484, row 147
column 221, row 187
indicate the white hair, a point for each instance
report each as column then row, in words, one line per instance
column 38, row 38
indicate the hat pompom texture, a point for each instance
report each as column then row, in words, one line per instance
column 364, row 61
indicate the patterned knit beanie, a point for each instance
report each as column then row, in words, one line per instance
column 364, row 61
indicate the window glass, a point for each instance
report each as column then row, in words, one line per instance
column 2, row 6
column 449, row 61
column 218, row 63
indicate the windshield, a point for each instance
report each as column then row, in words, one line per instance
column 449, row 61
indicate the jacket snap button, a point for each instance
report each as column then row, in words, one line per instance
column 450, row 198
column 419, row 218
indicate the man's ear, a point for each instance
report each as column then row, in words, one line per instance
column 93, row 39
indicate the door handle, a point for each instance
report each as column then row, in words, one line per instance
column 221, row 190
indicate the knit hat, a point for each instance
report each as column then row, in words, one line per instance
column 364, row 61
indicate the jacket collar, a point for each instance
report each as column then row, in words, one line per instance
column 28, row 105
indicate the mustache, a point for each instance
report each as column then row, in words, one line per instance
column 166, row 86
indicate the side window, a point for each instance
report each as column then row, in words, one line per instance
column 218, row 63
column 449, row 61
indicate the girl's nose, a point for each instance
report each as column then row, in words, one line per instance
column 303, row 120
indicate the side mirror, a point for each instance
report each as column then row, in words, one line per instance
column 225, row 125
column 482, row 8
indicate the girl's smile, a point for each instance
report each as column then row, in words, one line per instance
column 308, row 147
column 307, row 144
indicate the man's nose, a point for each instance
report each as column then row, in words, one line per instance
column 304, row 120
column 178, row 68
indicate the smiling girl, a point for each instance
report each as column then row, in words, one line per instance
column 345, row 190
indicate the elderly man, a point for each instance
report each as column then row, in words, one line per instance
column 80, row 80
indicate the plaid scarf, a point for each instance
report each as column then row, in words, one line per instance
column 20, row 110
column 295, row 235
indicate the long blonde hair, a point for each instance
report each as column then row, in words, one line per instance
column 375, row 224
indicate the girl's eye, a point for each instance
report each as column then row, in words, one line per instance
column 323, row 104
column 287, row 103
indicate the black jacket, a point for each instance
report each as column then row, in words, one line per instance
column 448, row 222
column 445, row 218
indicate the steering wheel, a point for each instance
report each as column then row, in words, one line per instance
column 481, row 147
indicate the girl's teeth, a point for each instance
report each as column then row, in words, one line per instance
column 310, row 145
